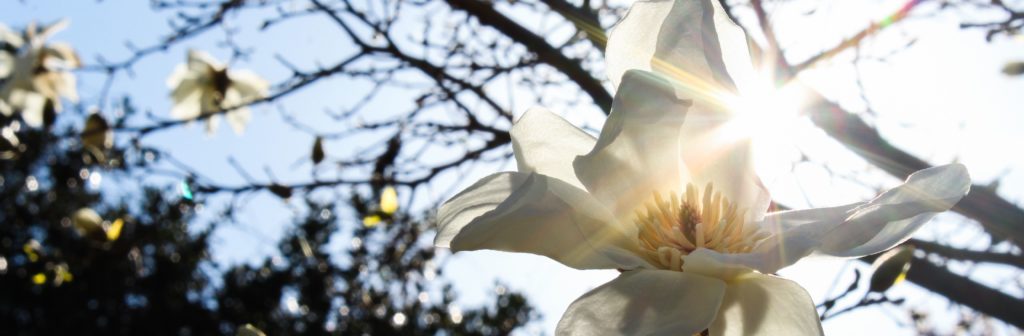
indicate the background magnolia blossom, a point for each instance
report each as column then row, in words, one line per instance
column 204, row 86
column 38, row 72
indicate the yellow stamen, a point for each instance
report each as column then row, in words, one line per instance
column 670, row 228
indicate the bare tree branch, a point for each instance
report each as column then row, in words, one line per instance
column 487, row 15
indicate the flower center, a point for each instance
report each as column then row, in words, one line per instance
column 671, row 229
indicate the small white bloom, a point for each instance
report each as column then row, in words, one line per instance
column 10, row 42
column 203, row 85
column 37, row 73
column 9, row 39
column 660, row 196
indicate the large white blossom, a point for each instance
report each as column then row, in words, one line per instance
column 203, row 86
column 36, row 74
column 662, row 197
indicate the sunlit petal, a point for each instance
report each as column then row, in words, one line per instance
column 533, row 213
column 179, row 74
column 6, row 64
column 31, row 104
column 639, row 149
column 856, row 229
column 758, row 304
column 547, row 144
column 706, row 262
column 892, row 217
column 200, row 61
column 212, row 122
column 187, row 105
column 59, row 56
column 645, row 302
column 694, row 42
column 238, row 119
column 10, row 37
column 711, row 156
column 250, row 86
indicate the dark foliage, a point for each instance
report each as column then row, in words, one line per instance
column 157, row 277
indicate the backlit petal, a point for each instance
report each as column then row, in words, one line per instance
column 200, row 61
column 31, row 104
column 639, row 150
column 694, row 42
column 892, row 217
column 547, row 144
column 60, row 56
column 645, row 302
column 856, row 229
column 711, row 156
column 698, row 46
column 250, row 86
column 237, row 118
column 174, row 80
column 8, row 36
column 6, row 64
column 758, row 304
column 532, row 213
column 188, row 106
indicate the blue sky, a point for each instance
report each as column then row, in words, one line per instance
column 943, row 99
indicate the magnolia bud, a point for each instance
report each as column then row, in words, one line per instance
column 891, row 268
column 318, row 151
column 281, row 191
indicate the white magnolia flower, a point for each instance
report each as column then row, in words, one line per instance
column 659, row 196
column 37, row 73
column 203, row 85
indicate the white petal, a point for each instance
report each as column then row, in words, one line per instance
column 31, row 104
column 46, row 32
column 856, row 229
column 188, row 107
column 645, row 302
column 707, row 263
column 692, row 41
column 702, row 50
column 638, row 151
column 533, row 213
column 758, row 304
column 545, row 143
column 632, row 42
column 200, row 61
column 10, row 37
column 185, row 87
column 66, row 86
column 238, row 118
column 209, row 101
column 6, row 64
column 174, row 80
column 892, row 217
column 60, row 56
column 726, row 162
column 795, row 234
column 250, row 86
column 212, row 122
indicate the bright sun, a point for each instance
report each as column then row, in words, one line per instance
column 765, row 113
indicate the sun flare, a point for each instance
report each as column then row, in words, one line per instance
column 765, row 113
